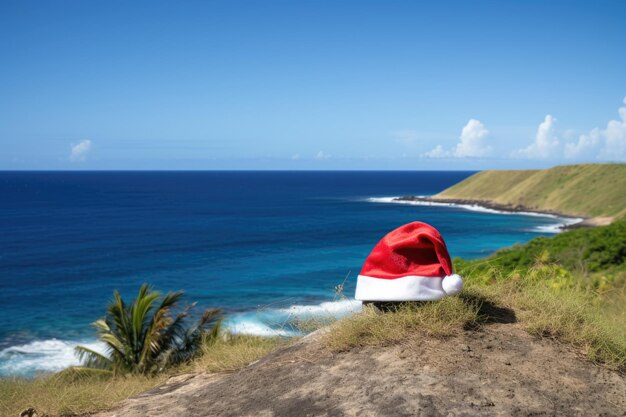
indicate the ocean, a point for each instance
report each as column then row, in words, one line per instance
column 263, row 246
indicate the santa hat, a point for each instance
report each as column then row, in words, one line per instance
column 410, row 263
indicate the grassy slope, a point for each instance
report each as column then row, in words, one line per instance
column 571, row 287
column 586, row 252
column 70, row 394
column 590, row 190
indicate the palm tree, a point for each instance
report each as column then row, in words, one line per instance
column 144, row 337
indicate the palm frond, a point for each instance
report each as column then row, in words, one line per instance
column 102, row 326
column 175, row 329
column 189, row 346
column 92, row 359
column 139, row 312
column 155, row 335
column 118, row 313
column 212, row 335
column 112, row 342
column 171, row 299
column 144, row 337
column 210, row 316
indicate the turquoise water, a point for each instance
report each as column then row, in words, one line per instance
column 260, row 245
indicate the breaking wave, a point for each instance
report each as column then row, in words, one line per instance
column 42, row 356
column 281, row 321
column 52, row 355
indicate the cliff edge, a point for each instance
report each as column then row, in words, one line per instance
column 497, row 370
column 594, row 191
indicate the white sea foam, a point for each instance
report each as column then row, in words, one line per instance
column 551, row 228
column 385, row 200
column 333, row 308
column 557, row 227
column 42, row 356
column 278, row 321
column 255, row 328
column 53, row 355
column 472, row 207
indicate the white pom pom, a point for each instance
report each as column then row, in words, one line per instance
column 452, row 284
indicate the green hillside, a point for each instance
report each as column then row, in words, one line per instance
column 590, row 190
column 597, row 256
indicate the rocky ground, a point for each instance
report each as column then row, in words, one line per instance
column 510, row 208
column 499, row 370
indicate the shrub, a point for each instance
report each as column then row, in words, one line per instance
column 144, row 337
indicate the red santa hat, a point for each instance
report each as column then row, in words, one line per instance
column 410, row 263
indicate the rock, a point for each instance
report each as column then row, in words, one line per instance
column 29, row 412
column 434, row 377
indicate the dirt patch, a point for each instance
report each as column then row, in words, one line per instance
column 597, row 221
column 498, row 370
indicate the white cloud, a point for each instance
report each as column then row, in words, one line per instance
column 615, row 136
column 437, row 152
column 322, row 155
column 295, row 156
column 79, row 151
column 585, row 146
column 609, row 143
column 546, row 142
column 473, row 143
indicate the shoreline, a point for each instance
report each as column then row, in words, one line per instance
column 578, row 221
column 59, row 352
column 50, row 355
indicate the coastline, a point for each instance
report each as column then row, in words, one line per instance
column 576, row 221
column 47, row 356
column 50, row 354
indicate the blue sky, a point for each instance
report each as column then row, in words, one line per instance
column 311, row 84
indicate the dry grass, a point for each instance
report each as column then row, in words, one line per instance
column 59, row 396
column 373, row 327
column 592, row 323
column 234, row 352
column 68, row 393
column 546, row 300
column 550, row 301
column 574, row 317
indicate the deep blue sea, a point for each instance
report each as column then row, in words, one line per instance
column 260, row 245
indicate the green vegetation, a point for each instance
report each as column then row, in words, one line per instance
column 593, row 258
column 76, row 393
column 147, row 345
column 591, row 190
column 571, row 287
column 144, row 337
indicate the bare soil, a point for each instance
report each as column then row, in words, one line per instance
column 498, row 370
